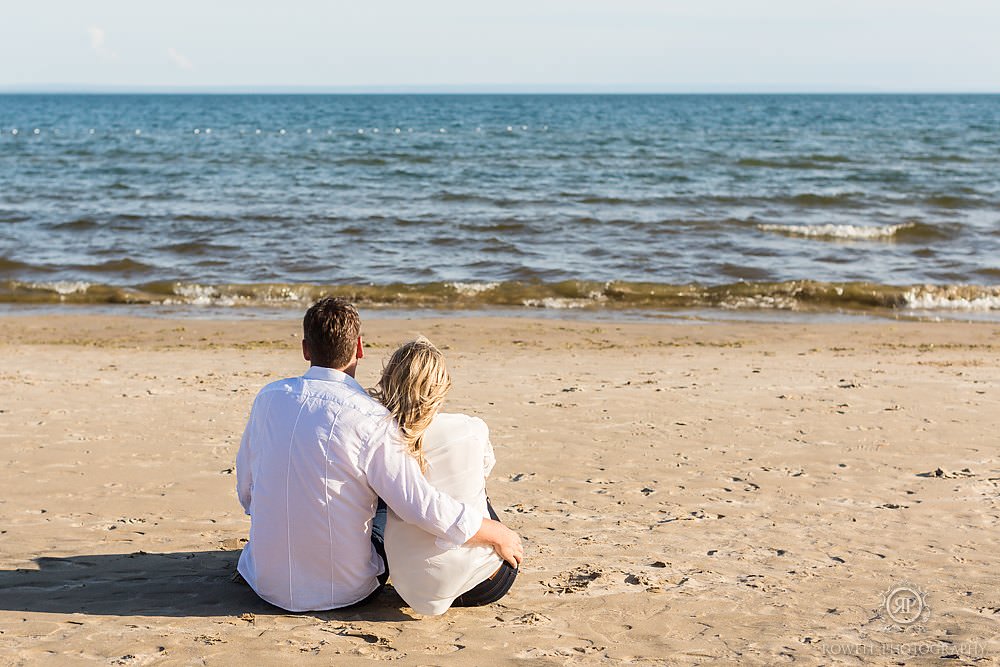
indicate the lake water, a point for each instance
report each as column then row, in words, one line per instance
column 657, row 202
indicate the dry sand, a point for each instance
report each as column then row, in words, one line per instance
column 688, row 493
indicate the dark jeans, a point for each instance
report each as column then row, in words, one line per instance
column 491, row 589
column 378, row 541
column 378, row 537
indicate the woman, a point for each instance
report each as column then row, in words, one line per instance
column 455, row 455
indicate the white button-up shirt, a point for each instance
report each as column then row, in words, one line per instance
column 316, row 455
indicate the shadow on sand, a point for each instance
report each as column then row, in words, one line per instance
column 188, row 583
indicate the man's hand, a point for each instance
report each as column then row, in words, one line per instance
column 504, row 541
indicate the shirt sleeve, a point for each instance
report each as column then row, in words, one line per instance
column 395, row 476
column 489, row 458
column 244, row 469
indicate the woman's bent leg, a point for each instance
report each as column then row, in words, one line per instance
column 492, row 589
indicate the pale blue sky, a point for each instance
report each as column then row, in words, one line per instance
column 654, row 45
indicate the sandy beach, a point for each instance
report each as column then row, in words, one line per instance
column 689, row 493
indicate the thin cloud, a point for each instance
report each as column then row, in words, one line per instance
column 99, row 43
column 179, row 59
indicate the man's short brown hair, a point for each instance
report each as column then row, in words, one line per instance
column 331, row 328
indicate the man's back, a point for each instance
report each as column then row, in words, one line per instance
column 301, row 477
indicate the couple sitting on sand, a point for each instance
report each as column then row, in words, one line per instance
column 341, row 488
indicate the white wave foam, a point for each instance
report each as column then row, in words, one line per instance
column 472, row 289
column 557, row 303
column 207, row 295
column 291, row 294
column 200, row 295
column 953, row 298
column 832, row 231
column 63, row 287
column 593, row 297
column 761, row 301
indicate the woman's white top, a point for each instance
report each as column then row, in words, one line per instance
column 427, row 575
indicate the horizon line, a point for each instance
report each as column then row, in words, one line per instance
column 479, row 89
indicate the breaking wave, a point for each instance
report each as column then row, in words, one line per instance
column 805, row 295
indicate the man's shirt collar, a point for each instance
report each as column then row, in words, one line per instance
column 332, row 375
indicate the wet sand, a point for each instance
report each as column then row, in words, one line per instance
column 688, row 493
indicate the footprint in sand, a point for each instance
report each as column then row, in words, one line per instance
column 210, row 640
column 938, row 472
column 442, row 649
column 373, row 646
column 575, row 581
column 531, row 618
column 560, row 652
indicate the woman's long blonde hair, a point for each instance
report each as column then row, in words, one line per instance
column 413, row 386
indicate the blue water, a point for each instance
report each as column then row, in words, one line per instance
column 123, row 191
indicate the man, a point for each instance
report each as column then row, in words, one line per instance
column 316, row 457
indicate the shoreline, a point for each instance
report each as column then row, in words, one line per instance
column 188, row 312
column 711, row 492
column 630, row 298
column 106, row 328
